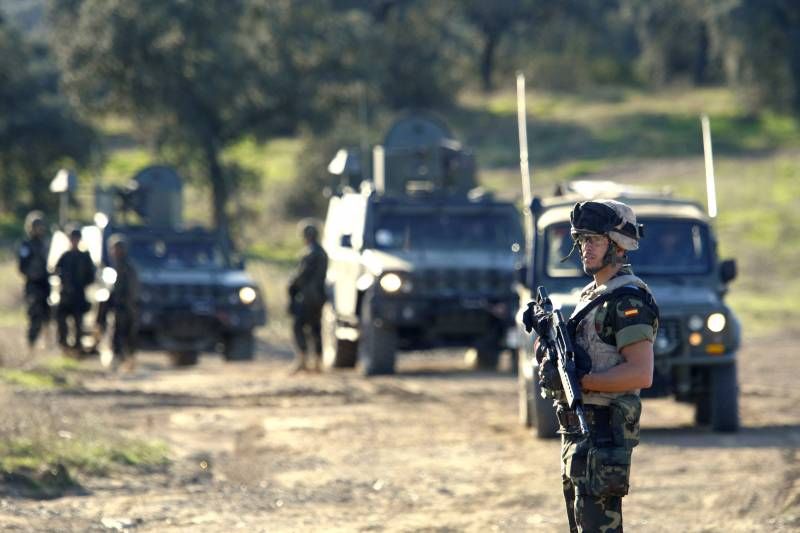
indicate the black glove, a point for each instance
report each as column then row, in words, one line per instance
column 535, row 319
column 583, row 363
column 548, row 376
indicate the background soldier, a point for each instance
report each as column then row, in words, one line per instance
column 32, row 262
column 76, row 270
column 123, row 303
column 614, row 326
column 307, row 296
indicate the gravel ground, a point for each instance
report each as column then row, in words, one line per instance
column 435, row 448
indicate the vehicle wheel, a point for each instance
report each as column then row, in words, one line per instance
column 240, row 347
column 487, row 354
column 186, row 358
column 524, row 392
column 377, row 343
column 702, row 410
column 724, row 396
column 544, row 414
column 336, row 353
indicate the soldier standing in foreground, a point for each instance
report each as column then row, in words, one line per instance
column 614, row 326
column 307, row 296
column 32, row 263
column 76, row 270
column 123, row 303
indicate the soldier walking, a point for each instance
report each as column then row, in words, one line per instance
column 77, row 271
column 123, row 304
column 613, row 326
column 32, row 263
column 306, row 298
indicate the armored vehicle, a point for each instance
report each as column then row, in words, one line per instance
column 698, row 335
column 194, row 294
column 418, row 258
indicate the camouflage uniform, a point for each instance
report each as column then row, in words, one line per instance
column 32, row 263
column 595, row 470
column 307, row 296
column 76, row 270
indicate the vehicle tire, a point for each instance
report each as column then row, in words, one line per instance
column 336, row 353
column 488, row 354
column 724, row 397
column 543, row 417
column 377, row 343
column 185, row 358
column 702, row 410
column 240, row 347
column 524, row 392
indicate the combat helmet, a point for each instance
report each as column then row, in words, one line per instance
column 32, row 219
column 611, row 218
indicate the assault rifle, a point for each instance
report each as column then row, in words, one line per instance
column 561, row 355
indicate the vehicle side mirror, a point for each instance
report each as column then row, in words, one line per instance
column 346, row 241
column 727, row 270
column 238, row 262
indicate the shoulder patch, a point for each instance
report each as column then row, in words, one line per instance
column 24, row 250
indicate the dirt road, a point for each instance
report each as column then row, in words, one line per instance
column 436, row 448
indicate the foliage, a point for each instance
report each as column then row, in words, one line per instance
column 201, row 75
column 39, row 131
column 759, row 41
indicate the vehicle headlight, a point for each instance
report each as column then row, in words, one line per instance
column 102, row 294
column 716, row 322
column 391, row 282
column 109, row 276
column 247, row 295
column 696, row 323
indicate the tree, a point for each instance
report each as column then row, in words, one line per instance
column 759, row 42
column 201, row 75
column 493, row 20
column 39, row 131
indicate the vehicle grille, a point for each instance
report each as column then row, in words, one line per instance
column 462, row 281
column 176, row 294
column 669, row 338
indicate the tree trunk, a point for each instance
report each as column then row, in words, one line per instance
column 219, row 189
column 487, row 60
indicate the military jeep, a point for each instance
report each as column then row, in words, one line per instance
column 698, row 335
column 418, row 258
column 194, row 294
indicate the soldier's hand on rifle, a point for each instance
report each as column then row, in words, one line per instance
column 535, row 319
column 548, row 376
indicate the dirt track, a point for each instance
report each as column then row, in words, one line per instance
column 436, row 448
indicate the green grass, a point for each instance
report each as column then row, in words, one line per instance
column 53, row 373
column 81, row 453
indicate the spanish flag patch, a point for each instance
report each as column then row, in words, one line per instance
column 630, row 312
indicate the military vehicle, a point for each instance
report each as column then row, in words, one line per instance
column 698, row 335
column 419, row 257
column 195, row 295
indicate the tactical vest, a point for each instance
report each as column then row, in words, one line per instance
column 603, row 355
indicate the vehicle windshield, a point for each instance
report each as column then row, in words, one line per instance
column 477, row 230
column 170, row 254
column 669, row 247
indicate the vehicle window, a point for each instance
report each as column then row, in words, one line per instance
column 177, row 254
column 669, row 247
column 421, row 231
